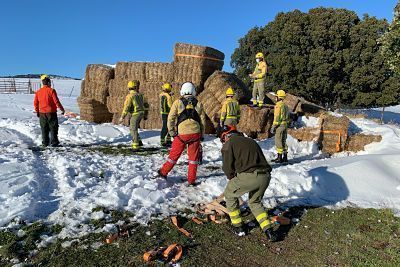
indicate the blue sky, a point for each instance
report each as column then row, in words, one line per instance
column 62, row 37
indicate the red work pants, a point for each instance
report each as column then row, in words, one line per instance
column 178, row 145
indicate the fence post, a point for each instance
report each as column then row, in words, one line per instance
column 29, row 87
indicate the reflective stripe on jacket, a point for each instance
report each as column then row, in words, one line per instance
column 281, row 113
column 134, row 103
column 260, row 71
column 230, row 109
column 165, row 103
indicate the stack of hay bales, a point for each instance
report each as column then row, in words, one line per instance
column 213, row 94
column 93, row 98
column 357, row 142
column 191, row 63
column 331, row 126
column 196, row 63
column 256, row 123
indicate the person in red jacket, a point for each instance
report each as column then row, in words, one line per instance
column 46, row 103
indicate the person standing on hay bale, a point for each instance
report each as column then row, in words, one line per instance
column 280, row 125
column 136, row 105
column 248, row 171
column 46, row 103
column 186, row 122
column 258, row 77
column 165, row 107
column 230, row 111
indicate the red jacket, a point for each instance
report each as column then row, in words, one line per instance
column 46, row 100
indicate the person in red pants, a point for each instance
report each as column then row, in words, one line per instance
column 186, row 122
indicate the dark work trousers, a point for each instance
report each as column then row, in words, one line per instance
column 164, row 138
column 49, row 124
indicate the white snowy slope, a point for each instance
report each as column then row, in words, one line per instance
column 63, row 186
column 391, row 114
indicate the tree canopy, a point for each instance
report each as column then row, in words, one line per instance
column 391, row 42
column 328, row 56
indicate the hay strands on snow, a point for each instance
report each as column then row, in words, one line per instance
column 173, row 253
column 174, row 220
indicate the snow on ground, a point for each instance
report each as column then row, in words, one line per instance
column 391, row 114
column 64, row 185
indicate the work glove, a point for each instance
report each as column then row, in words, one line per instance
column 121, row 120
column 62, row 112
column 173, row 133
column 202, row 138
column 38, row 114
column 273, row 129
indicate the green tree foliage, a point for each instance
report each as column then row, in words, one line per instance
column 391, row 42
column 328, row 56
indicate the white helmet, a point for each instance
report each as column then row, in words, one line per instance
column 188, row 88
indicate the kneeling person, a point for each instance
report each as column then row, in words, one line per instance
column 248, row 171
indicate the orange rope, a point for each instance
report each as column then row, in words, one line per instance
column 196, row 56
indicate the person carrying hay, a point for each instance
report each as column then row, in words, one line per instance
column 258, row 76
column 46, row 103
column 136, row 105
column 280, row 125
column 165, row 107
column 230, row 111
column 186, row 122
column 248, row 171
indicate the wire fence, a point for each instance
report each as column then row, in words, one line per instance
column 17, row 86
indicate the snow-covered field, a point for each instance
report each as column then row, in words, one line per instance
column 63, row 186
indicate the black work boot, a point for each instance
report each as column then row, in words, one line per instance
column 278, row 158
column 239, row 230
column 271, row 234
column 161, row 175
column 284, row 159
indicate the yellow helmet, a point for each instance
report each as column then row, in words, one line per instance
column 133, row 84
column 44, row 76
column 281, row 94
column 230, row 92
column 167, row 87
column 259, row 55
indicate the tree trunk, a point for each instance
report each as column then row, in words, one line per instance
column 383, row 111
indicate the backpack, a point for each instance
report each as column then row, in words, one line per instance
column 190, row 111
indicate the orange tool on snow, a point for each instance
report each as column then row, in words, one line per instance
column 174, row 220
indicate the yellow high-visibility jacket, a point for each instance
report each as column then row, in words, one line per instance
column 281, row 114
column 135, row 103
column 165, row 103
column 188, row 126
column 260, row 71
column 230, row 109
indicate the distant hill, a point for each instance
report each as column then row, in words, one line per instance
column 37, row 76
